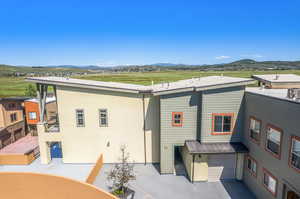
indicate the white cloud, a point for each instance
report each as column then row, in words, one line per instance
column 252, row 56
column 223, row 57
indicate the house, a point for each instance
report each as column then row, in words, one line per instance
column 203, row 121
column 32, row 113
column 12, row 125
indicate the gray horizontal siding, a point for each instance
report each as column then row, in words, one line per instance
column 225, row 100
column 284, row 115
column 170, row 135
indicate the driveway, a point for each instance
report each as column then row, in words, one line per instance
column 56, row 167
column 149, row 184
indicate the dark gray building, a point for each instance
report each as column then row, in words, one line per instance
column 272, row 135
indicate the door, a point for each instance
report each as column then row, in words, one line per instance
column 56, row 150
column 221, row 167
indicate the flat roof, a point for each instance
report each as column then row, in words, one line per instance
column 162, row 88
column 195, row 147
column 14, row 98
column 48, row 100
column 22, row 146
column 278, row 78
column 274, row 93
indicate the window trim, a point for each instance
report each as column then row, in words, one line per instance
column 265, row 171
column 250, row 171
column 99, row 112
column 281, row 136
column 290, row 152
column 260, row 129
column 213, row 132
column 173, row 119
column 83, row 125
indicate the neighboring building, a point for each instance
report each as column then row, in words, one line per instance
column 12, row 125
column 33, row 114
column 278, row 80
column 205, row 121
column 272, row 123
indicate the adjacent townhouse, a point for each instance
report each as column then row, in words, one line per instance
column 32, row 113
column 12, row 124
column 271, row 133
column 211, row 123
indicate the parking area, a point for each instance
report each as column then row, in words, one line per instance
column 56, row 167
column 151, row 185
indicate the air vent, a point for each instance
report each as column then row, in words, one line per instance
column 293, row 93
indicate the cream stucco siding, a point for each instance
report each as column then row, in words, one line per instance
column 125, row 126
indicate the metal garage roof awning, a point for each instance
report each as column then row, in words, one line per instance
column 195, row 147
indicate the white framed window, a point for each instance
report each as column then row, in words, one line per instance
column 295, row 153
column 103, row 117
column 270, row 182
column 80, row 117
column 255, row 126
column 32, row 115
column 252, row 166
column 273, row 141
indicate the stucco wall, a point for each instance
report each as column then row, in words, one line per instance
column 125, row 126
column 197, row 170
column 284, row 115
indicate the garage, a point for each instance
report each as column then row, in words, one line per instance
column 221, row 167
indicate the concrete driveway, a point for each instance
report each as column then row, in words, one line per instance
column 151, row 185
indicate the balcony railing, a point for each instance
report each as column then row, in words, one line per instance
column 52, row 128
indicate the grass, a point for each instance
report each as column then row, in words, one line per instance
column 16, row 86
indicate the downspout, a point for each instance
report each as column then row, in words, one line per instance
column 144, row 129
column 193, row 168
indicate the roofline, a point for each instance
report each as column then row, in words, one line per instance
column 273, row 97
column 202, row 88
column 146, row 91
column 79, row 85
column 273, row 82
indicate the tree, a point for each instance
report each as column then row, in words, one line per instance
column 121, row 173
column 30, row 91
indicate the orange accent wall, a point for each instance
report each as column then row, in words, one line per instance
column 32, row 107
column 18, row 185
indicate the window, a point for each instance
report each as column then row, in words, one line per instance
column 80, row 117
column 255, row 126
column 273, row 142
column 177, row 118
column 222, row 123
column 32, row 115
column 13, row 117
column 295, row 153
column 11, row 105
column 252, row 166
column 103, row 117
column 270, row 182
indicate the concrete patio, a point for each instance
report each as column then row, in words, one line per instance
column 151, row 185
column 56, row 167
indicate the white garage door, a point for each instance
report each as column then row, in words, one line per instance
column 221, row 166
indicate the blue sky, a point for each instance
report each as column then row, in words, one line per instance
column 143, row 32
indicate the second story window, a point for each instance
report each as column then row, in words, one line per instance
column 12, row 106
column 270, row 182
column 103, row 117
column 80, row 118
column 295, row 153
column 13, row 117
column 222, row 123
column 273, row 142
column 252, row 166
column 177, row 118
column 255, row 126
column 32, row 115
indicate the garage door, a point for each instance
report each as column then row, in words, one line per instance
column 221, row 167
